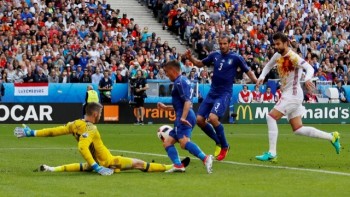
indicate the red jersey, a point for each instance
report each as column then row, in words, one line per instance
column 245, row 95
column 267, row 97
column 125, row 22
column 278, row 95
column 311, row 98
column 256, row 96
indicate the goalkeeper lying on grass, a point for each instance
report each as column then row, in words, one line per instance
column 91, row 147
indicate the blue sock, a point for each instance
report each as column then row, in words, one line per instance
column 221, row 135
column 209, row 130
column 195, row 150
column 173, row 155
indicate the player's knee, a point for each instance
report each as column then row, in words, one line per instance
column 183, row 142
column 213, row 119
column 137, row 164
column 183, row 145
column 270, row 118
column 166, row 144
column 200, row 121
column 297, row 129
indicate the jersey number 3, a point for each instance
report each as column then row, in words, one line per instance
column 221, row 65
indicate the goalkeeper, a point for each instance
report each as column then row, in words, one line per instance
column 91, row 147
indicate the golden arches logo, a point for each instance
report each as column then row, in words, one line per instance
column 244, row 109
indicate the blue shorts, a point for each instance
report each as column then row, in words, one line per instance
column 180, row 130
column 214, row 104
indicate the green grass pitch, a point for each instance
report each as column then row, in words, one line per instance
column 306, row 166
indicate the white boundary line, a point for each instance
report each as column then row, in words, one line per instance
column 228, row 162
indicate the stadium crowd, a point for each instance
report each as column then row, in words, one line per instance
column 76, row 41
column 319, row 30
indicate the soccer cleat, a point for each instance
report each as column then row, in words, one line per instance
column 267, row 156
column 44, row 168
column 223, row 153
column 208, row 162
column 176, row 168
column 185, row 162
column 217, row 150
column 141, row 123
column 336, row 142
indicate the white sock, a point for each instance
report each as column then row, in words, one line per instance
column 273, row 134
column 313, row 132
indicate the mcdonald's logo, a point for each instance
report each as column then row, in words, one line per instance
column 244, row 109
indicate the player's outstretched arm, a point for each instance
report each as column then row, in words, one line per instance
column 195, row 61
column 25, row 131
column 252, row 76
column 267, row 68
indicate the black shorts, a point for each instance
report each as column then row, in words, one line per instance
column 139, row 102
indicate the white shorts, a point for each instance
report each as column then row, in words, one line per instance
column 290, row 107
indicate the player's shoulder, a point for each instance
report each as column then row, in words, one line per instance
column 182, row 79
column 233, row 55
column 215, row 53
column 81, row 126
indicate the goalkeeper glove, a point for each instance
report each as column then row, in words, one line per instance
column 102, row 170
column 24, row 131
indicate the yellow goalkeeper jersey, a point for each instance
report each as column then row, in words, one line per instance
column 89, row 140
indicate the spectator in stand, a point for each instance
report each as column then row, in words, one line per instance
column 278, row 94
column 30, row 77
column 193, row 76
column 245, row 95
column 268, row 97
column 86, row 78
column 310, row 97
column 125, row 21
column 83, row 59
column 53, row 78
column 161, row 75
column 64, row 77
column 119, row 78
column 105, row 87
column 256, row 95
column 40, row 77
column 74, row 77
column 151, row 75
column 346, row 81
column 97, row 76
column 342, row 94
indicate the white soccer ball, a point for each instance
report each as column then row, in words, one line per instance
column 163, row 132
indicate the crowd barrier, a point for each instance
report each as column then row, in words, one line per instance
column 57, row 93
column 75, row 92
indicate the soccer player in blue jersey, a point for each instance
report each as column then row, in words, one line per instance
column 218, row 99
column 185, row 120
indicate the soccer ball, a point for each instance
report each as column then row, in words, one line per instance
column 163, row 132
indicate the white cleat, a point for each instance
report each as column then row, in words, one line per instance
column 208, row 162
column 176, row 168
column 45, row 168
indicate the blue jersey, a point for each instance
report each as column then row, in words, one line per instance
column 225, row 69
column 182, row 92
